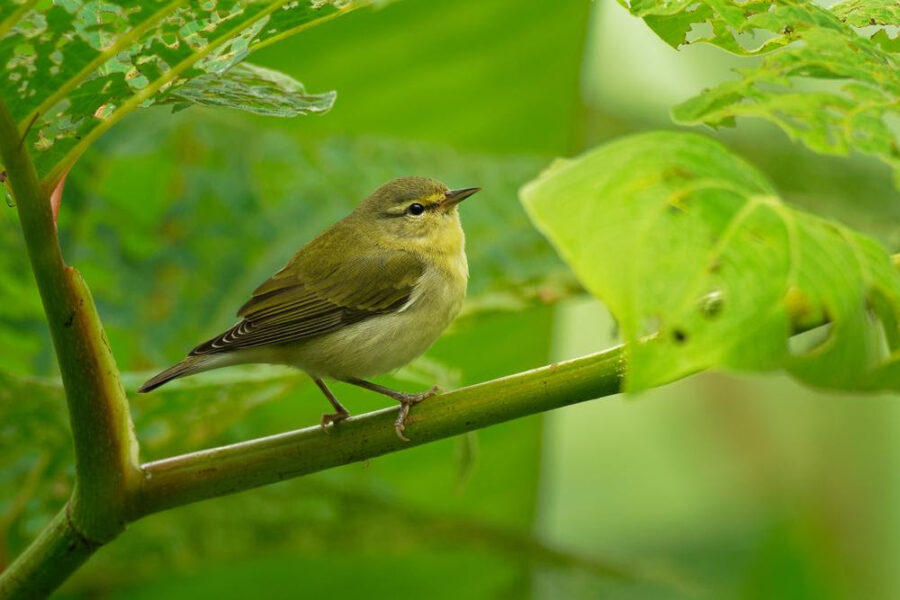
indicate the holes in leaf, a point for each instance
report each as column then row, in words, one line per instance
column 810, row 342
column 699, row 31
column 679, row 336
column 883, row 316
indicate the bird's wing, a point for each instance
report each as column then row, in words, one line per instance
column 309, row 298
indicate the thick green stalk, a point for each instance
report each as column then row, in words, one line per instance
column 192, row 477
column 48, row 561
column 105, row 447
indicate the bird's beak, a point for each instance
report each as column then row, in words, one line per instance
column 454, row 197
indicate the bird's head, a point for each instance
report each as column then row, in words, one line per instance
column 416, row 208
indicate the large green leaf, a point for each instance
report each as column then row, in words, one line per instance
column 822, row 79
column 448, row 73
column 73, row 68
column 704, row 266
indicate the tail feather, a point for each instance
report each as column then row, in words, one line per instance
column 189, row 366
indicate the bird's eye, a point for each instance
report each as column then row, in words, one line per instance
column 415, row 209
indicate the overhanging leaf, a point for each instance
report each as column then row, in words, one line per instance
column 252, row 89
column 862, row 13
column 704, row 266
column 73, row 69
column 823, row 80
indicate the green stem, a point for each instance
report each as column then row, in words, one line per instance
column 193, row 477
column 105, row 447
column 48, row 561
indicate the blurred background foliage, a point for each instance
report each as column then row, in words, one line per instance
column 718, row 486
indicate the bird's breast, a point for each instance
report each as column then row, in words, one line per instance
column 383, row 343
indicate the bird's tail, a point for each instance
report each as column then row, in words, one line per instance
column 189, row 366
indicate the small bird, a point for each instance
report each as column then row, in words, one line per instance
column 365, row 297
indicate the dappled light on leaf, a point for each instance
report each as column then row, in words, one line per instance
column 727, row 278
column 64, row 61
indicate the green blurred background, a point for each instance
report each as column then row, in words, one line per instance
column 720, row 486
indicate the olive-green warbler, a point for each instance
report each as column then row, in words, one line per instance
column 368, row 295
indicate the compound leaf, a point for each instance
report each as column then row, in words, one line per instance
column 827, row 77
column 72, row 69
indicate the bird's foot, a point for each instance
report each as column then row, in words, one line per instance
column 406, row 401
column 331, row 418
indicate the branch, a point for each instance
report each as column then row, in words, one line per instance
column 105, row 447
column 48, row 561
column 200, row 475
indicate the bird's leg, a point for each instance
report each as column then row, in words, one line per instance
column 405, row 400
column 335, row 417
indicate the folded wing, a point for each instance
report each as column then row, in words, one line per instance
column 311, row 297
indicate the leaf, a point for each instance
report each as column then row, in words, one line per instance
column 468, row 52
column 76, row 68
column 252, row 89
column 823, row 81
column 704, row 266
column 862, row 13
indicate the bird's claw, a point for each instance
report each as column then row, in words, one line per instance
column 331, row 418
column 400, row 423
column 406, row 401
